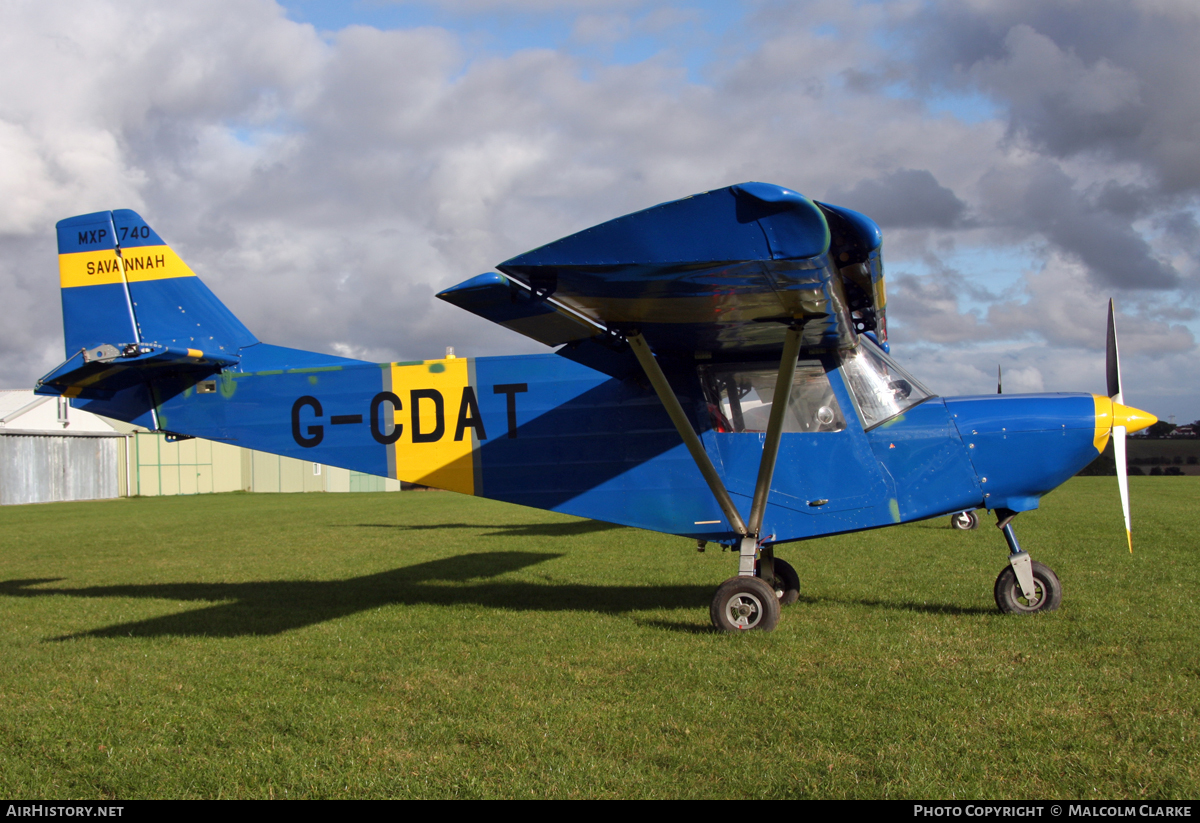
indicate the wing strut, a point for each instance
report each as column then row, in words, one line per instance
column 766, row 466
column 779, row 405
column 667, row 396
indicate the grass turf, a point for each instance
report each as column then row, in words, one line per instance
column 433, row 645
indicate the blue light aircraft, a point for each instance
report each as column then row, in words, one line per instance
column 721, row 372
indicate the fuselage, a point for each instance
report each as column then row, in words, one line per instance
column 546, row 432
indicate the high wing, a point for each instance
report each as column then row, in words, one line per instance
column 725, row 273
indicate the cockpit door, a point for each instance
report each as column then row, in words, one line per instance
column 826, row 468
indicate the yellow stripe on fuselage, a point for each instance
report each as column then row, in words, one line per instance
column 94, row 268
column 444, row 463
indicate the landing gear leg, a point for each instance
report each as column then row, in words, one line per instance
column 745, row 601
column 748, row 601
column 752, row 599
column 1024, row 586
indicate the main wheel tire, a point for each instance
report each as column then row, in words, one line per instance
column 1047, row 591
column 786, row 583
column 964, row 521
column 744, row 603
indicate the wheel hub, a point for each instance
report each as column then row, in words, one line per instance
column 745, row 611
column 1038, row 594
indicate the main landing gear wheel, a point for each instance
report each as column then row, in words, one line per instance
column 786, row 583
column 964, row 521
column 1047, row 591
column 744, row 603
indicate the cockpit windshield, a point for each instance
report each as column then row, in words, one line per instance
column 880, row 387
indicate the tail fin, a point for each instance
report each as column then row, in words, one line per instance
column 122, row 284
column 132, row 312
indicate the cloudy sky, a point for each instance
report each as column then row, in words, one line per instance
column 327, row 167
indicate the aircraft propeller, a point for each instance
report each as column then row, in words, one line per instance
column 1124, row 418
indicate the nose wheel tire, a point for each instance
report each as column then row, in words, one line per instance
column 786, row 583
column 1047, row 591
column 743, row 603
column 964, row 521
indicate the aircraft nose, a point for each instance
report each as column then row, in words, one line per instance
column 1110, row 414
column 1134, row 420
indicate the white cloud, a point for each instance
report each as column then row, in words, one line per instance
column 327, row 186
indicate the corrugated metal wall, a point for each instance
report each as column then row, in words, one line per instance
column 36, row 468
column 45, row 468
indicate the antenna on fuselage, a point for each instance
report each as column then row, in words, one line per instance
column 999, row 382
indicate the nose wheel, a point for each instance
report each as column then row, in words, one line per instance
column 1024, row 586
column 1047, row 591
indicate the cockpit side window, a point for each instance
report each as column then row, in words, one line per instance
column 740, row 395
column 879, row 386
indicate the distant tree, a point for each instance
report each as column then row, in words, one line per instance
column 1160, row 429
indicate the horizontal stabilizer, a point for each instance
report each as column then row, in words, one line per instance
column 100, row 372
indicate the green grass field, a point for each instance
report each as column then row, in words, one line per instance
column 433, row 645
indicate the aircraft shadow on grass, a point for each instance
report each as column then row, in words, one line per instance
column 272, row 607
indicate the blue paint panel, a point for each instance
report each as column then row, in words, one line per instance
column 132, row 231
column 95, row 315
column 726, row 225
column 181, row 311
column 866, row 234
column 496, row 298
column 927, row 461
column 265, row 357
column 793, row 226
column 255, row 411
column 1001, row 413
column 587, row 445
column 680, row 231
column 87, row 232
column 716, row 272
column 493, row 297
column 1023, row 446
